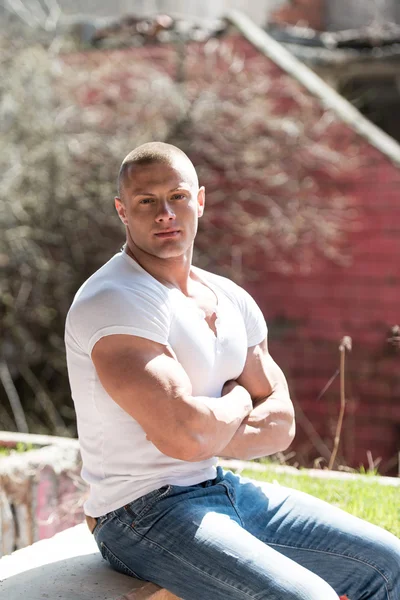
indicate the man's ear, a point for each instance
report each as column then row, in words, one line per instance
column 121, row 210
column 201, row 200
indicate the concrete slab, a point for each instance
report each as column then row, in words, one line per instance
column 69, row 566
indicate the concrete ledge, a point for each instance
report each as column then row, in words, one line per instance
column 69, row 566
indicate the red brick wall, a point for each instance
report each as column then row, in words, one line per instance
column 308, row 315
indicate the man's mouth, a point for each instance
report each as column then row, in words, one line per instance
column 167, row 233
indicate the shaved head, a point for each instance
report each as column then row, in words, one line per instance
column 157, row 152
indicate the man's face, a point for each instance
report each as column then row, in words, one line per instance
column 160, row 206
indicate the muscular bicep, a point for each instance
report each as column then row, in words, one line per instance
column 261, row 375
column 144, row 379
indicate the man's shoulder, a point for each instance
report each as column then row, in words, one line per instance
column 116, row 283
column 106, row 277
column 118, row 298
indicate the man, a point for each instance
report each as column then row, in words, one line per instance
column 169, row 368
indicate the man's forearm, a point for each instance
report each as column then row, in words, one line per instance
column 203, row 426
column 269, row 428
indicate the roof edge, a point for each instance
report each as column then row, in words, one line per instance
column 317, row 86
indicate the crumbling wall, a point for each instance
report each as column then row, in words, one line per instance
column 41, row 493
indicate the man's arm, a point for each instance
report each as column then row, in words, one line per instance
column 145, row 379
column 270, row 427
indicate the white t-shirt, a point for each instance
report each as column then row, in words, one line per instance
column 119, row 463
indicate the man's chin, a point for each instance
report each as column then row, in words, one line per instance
column 167, row 253
column 170, row 249
column 163, row 251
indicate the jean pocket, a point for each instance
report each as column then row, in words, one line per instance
column 140, row 507
column 116, row 563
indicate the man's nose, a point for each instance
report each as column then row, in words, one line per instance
column 165, row 212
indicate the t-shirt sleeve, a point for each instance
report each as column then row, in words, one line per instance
column 141, row 312
column 256, row 327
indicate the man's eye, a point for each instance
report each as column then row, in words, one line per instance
column 178, row 196
column 145, row 201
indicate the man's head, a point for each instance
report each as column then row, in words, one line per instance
column 152, row 153
column 159, row 200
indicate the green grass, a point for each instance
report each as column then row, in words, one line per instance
column 379, row 504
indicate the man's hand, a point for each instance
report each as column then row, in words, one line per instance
column 239, row 394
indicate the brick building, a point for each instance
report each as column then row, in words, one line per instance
column 348, row 284
column 309, row 313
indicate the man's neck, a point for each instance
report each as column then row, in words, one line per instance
column 172, row 272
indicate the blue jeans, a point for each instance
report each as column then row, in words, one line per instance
column 234, row 538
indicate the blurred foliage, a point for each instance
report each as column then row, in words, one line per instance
column 57, row 220
column 66, row 121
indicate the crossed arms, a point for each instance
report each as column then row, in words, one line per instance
column 253, row 418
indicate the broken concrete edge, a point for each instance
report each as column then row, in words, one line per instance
column 41, row 491
column 62, row 454
column 59, row 457
column 11, row 439
column 242, row 465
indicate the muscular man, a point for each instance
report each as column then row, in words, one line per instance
column 169, row 368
